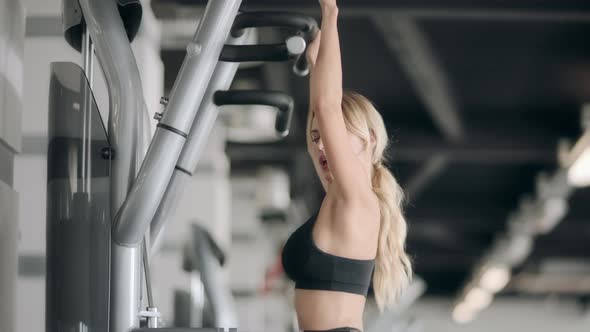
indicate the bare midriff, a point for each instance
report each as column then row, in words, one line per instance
column 324, row 310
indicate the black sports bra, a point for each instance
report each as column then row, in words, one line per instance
column 312, row 268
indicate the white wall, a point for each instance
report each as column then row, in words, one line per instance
column 8, row 256
column 12, row 33
column 11, row 71
column 248, row 258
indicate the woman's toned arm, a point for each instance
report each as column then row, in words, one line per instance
column 325, row 101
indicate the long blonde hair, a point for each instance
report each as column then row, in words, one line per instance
column 393, row 269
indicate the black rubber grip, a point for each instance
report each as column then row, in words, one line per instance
column 304, row 24
column 244, row 53
column 301, row 67
column 282, row 101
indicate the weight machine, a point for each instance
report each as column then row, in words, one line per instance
column 110, row 193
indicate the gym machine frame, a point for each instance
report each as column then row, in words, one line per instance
column 147, row 175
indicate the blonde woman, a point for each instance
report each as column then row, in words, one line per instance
column 357, row 237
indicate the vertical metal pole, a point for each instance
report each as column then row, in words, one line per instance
column 88, row 66
column 201, row 253
column 125, row 288
column 87, row 54
column 146, row 269
column 126, row 102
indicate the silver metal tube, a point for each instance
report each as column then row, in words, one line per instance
column 199, row 133
column 125, row 288
column 126, row 106
column 144, row 198
column 87, row 55
column 169, row 202
column 154, row 176
column 125, row 92
column 87, row 59
column 200, row 61
column 146, row 269
column 205, row 119
column 218, row 292
column 202, row 257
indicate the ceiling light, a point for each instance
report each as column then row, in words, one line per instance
column 577, row 159
column 578, row 174
column 553, row 210
column 478, row 298
column 511, row 249
column 495, row 278
column 463, row 313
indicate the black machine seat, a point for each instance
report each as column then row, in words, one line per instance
column 130, row 10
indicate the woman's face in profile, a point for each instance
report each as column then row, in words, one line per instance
column 317, row 152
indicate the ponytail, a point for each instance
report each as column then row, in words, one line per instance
column 393, row 270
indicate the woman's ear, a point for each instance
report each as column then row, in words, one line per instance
column 373, row 139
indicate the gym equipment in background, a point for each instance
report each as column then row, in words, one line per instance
column 106, row 187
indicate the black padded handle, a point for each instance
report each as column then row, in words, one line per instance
column 304, row 26
column 244, row 53
column 282, row 101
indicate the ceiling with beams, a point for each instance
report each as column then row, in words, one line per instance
column 475, row 96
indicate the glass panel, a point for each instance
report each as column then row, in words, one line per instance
column 78, row 214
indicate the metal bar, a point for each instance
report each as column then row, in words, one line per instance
column 87, row 55
column 283, row 103
column 146, row 269
column 132, row 222
column 413, row 151
column 514, row 11
column 199, row 64
column 167, row 205
column 88, row 66
column 154, row 176
column 195, row 144
column 126, row 108
column 125, row 288
column 201, row 256
column 125, row 92
column 424, row 175
column 411, row 47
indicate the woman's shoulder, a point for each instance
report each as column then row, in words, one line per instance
column 349, row 231
column 364, row 205
column 350, row 219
